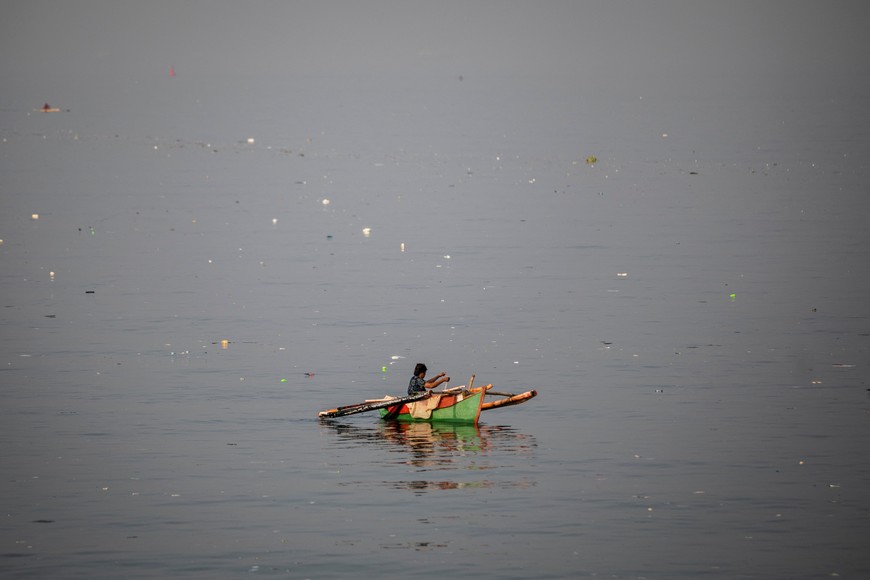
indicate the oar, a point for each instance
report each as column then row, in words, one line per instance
column 459, row 387
column 372, row 406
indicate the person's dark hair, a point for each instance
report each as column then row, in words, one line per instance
column 420, row 368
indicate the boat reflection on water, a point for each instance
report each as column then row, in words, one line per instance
column 461, row 451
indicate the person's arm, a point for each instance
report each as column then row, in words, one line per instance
column 436, row 380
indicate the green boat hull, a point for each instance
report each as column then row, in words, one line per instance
column 463, row 410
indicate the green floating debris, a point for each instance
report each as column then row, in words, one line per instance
column 732, row 297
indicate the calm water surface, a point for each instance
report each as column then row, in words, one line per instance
column 691, row 309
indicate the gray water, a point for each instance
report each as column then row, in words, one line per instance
column 692, row 309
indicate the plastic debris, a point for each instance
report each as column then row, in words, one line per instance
column 591, row 160
column 34, row 216
column 622, row 274
column 367, row 232
column 325, row 202
column 274, row 221
column 225, row 344
column 402, row 247
column 732, row 297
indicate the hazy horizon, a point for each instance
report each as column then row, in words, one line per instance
column 689, row 45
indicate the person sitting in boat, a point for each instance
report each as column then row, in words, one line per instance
column 418, row 382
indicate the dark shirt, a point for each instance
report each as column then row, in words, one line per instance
column 416, row 385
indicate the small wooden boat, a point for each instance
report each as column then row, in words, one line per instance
column 459, row 405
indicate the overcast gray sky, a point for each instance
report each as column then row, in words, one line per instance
column 715, row 39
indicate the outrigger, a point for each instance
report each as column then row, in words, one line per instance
column 462, row 404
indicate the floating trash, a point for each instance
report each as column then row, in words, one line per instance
column 34, row 216
column 591, row 160
column 325, row 202
column 367, row 232
column 250, row 140
column 402, row 247
column 274, row 221
column 732, row 297
column 225, row 344
column 51, row 276
column 383, row 369
column 622, row 274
